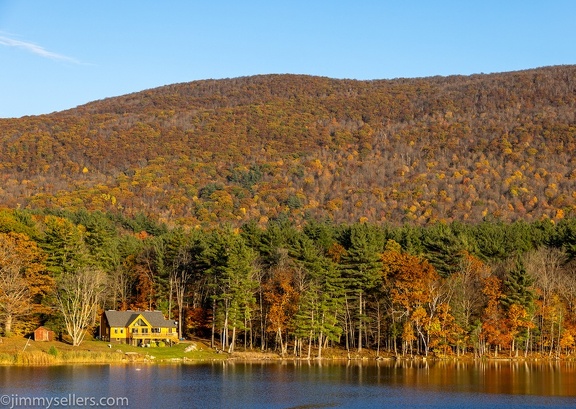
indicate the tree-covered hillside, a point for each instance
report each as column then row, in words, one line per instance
column 398, row 151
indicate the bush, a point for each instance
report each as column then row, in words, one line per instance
column 53, row 351
column 161, row 344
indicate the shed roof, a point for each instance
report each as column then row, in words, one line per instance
column 43, row 328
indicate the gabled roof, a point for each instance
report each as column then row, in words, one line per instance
column 125, row 318
column 42, row 327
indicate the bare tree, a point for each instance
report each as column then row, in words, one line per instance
column 545, row 265
column 18, row 275
column 77, row 295
column 179, row 278
column 121, row 280
column 567, row 282
column 465, row 289
column 14, row 295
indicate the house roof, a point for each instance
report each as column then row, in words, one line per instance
column 125, row 318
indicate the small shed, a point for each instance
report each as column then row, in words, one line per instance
column 43, row 334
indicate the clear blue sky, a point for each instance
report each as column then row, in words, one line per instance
column 57, row 54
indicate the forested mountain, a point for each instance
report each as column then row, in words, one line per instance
column 296, row 213
column 397, row 151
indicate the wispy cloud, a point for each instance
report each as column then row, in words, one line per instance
column 35, row 49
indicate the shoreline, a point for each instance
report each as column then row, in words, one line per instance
column 23, row 352
column 87, row 357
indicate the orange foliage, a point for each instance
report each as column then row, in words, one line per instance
column 419, row 150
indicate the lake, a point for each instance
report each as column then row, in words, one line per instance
column 288, row 384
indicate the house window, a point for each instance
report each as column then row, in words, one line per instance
column 134, row 330
column 155, row 330
column 144, row 330
column 122, row 330
column 115, row 330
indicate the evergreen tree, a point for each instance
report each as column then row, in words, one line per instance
column 361, row 266
column 238, row 288
column 410, row 238
column 519, row 288
column 64, row 244
column 322, row 298
column 231, row 273
column 101, row 241
column 444, row 248
column 519, row 303
column 492, row 241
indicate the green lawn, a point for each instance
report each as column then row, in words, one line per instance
column 174, row 352
column 18, row 350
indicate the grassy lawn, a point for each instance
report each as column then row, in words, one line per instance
column 174, row 352
column 18, row 350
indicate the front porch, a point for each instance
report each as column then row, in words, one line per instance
column 147, row 339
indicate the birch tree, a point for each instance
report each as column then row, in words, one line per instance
column 77, row 295
column 179, row 278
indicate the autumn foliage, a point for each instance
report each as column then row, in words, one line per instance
column 361, row 288
column 430, row 216
column 399, row 151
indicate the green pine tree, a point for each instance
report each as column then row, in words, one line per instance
column 361, row 268
column 519, row 288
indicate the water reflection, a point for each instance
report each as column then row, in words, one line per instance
column 499, row 377
column 308, row 384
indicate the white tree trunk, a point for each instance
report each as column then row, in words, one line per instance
column 77, row 296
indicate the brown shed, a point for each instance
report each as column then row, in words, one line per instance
column 43, row 334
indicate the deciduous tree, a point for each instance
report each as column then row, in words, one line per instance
column 23, row 278
column 78, row 294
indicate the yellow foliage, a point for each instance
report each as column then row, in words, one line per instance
column 335, row 204
column 312, row 204
column 263, row 220
column 559, row 214
column 316, row 164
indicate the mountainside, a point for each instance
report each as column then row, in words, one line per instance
column 253, row 148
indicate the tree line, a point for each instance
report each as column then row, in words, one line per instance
column 445, row 289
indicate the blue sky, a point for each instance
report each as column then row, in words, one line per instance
column 58, row 54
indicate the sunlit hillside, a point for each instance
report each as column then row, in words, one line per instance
column 252, row 148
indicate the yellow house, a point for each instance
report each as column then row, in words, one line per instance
column 137, row 327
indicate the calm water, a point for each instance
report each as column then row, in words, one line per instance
column 296, row 385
